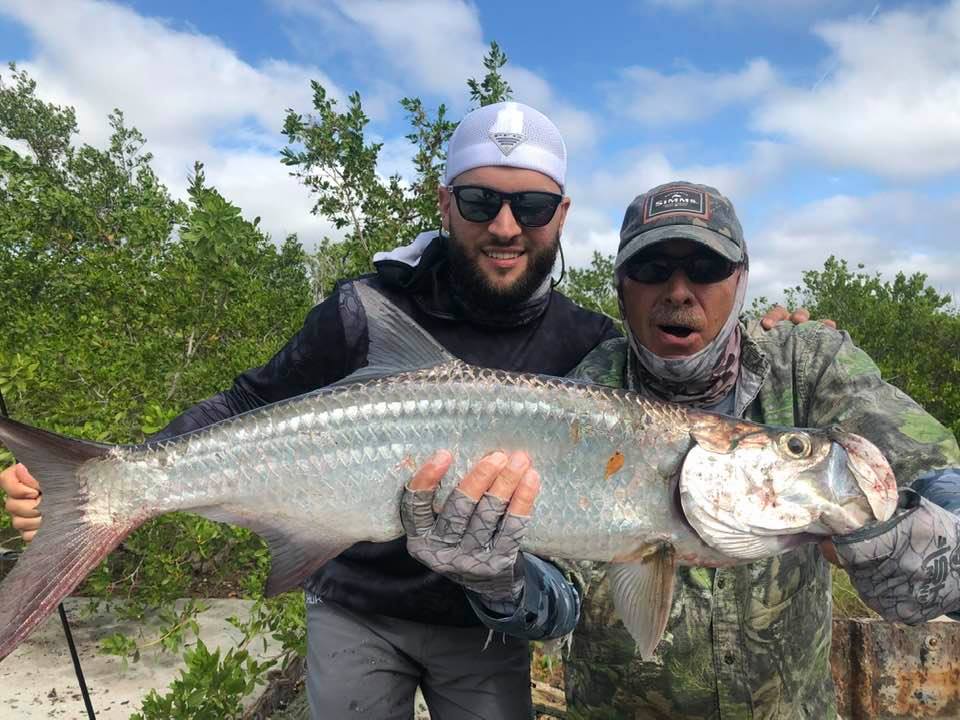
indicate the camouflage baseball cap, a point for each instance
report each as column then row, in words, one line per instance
column 681, row 210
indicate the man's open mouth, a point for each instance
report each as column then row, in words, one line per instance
column 680, row 331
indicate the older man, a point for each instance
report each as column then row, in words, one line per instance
column 751, row 641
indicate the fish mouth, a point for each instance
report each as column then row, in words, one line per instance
column 871, row 473
column 862, row 488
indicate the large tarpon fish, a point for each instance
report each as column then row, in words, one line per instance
column 641, row 484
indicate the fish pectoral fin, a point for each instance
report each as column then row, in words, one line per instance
column 744, row 546
column 642, row 594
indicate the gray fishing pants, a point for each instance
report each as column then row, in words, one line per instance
column 369, row 666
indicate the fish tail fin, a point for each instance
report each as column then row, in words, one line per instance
column 68, row 545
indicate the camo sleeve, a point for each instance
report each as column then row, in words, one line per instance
column 943, row 488
column 836, row 383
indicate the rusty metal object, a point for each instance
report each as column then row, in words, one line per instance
column 885, row 671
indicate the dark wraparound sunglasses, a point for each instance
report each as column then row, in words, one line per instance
column 530, row 208
column 700, row 268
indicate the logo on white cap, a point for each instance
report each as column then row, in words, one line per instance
column 507, row 130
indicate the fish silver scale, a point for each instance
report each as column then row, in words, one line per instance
column 334, row 462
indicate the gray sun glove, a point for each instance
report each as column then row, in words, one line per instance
column 474, row 543
column 908, row 567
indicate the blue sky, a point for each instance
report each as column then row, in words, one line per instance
column 833, row 125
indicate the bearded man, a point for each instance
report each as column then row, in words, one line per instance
column 379, row 622
column 752, row 641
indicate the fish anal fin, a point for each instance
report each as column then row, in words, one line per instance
column 295, row 552
column 642, row 595
column 291, row 562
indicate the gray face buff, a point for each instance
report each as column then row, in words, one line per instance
column 703, row 378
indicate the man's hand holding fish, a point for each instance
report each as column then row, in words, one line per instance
column 23, row 497
column 475, row 538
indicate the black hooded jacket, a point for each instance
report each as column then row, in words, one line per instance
column 382, row 578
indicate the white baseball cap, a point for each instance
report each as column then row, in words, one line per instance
column 507, row 134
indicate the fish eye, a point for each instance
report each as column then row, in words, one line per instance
column 795, row 445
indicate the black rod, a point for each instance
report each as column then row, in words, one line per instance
column 75, row 656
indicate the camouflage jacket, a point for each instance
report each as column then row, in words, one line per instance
column 751, row 641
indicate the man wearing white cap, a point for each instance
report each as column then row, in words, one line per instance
column 380, row 622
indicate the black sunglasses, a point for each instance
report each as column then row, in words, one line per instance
column 700, row 268
column 530, row 208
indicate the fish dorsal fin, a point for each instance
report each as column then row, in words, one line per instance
column 642, row 594
column 396, row 342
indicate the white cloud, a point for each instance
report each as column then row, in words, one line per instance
column 884, row 100
column 890, row 103
column 600, row 199
column 643, row 169
column 434, row 46
column 654, row 98
column 191, row 96
column 396, row 157
column 438, row 43
column 579, row 128
column 590, row 229
column 887, row 232
column 260, row 185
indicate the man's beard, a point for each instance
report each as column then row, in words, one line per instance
column 470, row 283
